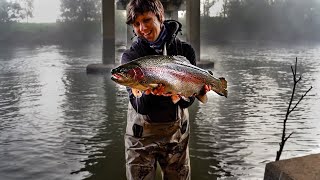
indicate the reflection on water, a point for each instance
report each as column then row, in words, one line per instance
column 56, row 121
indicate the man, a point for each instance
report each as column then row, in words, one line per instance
column 157, row 123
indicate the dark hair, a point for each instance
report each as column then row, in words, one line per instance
column 136, row 7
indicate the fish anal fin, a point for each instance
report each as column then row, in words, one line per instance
column 202, row 98
column 137, row 93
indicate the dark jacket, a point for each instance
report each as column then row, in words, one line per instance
column 159, row 108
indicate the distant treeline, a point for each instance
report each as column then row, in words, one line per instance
column 276, row 20
column 79, row 21
column 49, row 33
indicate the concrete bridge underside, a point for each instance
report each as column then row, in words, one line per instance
column 192, row 8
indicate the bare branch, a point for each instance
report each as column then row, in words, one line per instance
column 298, row 79
column 301, row 99
column 289, row 110
column 288, row 137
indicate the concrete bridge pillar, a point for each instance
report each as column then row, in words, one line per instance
column 193, row 25
column 172, row 15
column 108, row 31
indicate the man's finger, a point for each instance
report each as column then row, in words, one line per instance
column 175, row 98
column 147, row 92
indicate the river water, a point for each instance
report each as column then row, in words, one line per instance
column 58, row 122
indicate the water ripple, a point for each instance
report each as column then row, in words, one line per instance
column 57, row 121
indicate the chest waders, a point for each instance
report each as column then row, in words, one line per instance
column 147, row 143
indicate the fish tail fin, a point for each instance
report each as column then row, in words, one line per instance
column 220, row 87
column 224, row 85
column 224, row 93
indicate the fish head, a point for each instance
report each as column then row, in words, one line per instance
column 127, row 74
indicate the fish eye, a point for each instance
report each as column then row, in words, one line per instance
column 123, row 71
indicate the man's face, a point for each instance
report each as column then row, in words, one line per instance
column 148, row 26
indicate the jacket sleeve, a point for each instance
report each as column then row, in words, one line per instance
column 184, row 104
column 141, row 104
column 189, row 53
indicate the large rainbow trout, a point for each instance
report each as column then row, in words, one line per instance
column 176, row 73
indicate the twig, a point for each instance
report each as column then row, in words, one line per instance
column 284, row 138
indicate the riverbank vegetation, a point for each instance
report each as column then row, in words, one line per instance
column 258, row 20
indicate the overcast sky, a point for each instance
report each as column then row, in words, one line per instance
column 49, row 10
column 46, row 10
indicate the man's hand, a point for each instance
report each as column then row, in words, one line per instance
column 175, row 98
column 206, row 88
column 159, row 91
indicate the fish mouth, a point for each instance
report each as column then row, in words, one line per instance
column 116, row 77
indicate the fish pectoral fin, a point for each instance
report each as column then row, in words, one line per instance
column 202, row 98
column 137, row 93
column 153, row 85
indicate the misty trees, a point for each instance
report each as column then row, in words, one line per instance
column 265, row 20
column 80, row 10
column 4, row 11
column 80, row 20
column 12, row 11
column 28, row 8
column 207, row 4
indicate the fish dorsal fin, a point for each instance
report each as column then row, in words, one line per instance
column 181, row 59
